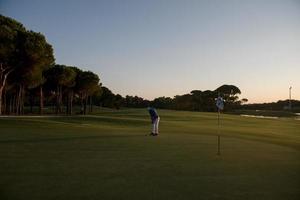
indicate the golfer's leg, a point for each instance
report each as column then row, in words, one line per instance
column 156, row 125
column 153, row 128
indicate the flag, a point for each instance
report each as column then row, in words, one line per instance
column 220, row 103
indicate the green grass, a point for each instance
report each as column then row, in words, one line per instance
column 108, row 156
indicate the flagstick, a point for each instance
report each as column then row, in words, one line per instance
column 219, row 153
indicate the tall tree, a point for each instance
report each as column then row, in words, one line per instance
column 60, row 77
column 69, row 84
column 36, row 56
column 87, row 84
column 107, row 98
column 95, row 97
column 163, row 102
column 197, row 100
column 25, row 54
column 10, row 31
column 230, row 95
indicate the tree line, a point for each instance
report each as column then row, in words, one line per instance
column 198, row 100
column 29, row 77
column 28, row 71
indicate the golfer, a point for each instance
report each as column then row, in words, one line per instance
column 154, row 120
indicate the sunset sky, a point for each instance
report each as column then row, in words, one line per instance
column 153, row 48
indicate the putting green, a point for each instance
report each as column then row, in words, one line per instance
column 108, row 156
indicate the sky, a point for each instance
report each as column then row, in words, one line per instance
column 154, row 48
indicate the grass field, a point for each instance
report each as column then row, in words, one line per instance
column 108, row 156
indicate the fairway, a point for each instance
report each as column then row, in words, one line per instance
column 107, row 156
